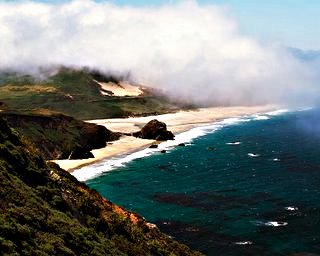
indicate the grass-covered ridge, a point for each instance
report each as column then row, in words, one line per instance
column 46, row 211
column 76, row 93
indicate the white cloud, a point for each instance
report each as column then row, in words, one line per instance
column 192, row 51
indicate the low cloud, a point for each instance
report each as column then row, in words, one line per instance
column 193, row 52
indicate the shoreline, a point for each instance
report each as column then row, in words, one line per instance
column 178, row 122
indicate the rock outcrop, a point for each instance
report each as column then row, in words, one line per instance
column 155, row 130
column 59, row 136
column 80, row 153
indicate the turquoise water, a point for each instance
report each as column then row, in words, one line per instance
column 216, row 198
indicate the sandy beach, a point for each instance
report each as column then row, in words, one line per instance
column 176, row 122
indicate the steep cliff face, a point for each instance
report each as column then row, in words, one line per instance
column 57, row 136
column 46, row 211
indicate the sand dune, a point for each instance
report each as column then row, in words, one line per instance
column 120, row 90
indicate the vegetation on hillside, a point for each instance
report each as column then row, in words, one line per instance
column 46, row 211
column 76, row 93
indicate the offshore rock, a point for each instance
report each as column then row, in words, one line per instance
column 155, row 130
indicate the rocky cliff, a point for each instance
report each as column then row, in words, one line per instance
column 46, row 211
column 58, row 136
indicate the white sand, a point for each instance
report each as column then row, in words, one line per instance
column 176, row 122
column 121, row 89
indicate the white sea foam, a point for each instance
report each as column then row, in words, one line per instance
column 277, row 112
column 276, row 223
column 268, row 115
column 291, row 208
column 253, row 155
column 96, row 169
column 305, row 109
column 271, row 223
column 261, row 117
column 234, row 143
column 243, row 243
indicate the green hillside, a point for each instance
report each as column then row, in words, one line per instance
column 46, row 211
column 74, row 92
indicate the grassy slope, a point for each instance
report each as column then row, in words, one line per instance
column 46, row 211
column 74, row 93
column 35, row 107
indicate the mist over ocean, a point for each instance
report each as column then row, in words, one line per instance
column 246, row 186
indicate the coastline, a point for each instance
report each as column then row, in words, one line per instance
column 178, row 122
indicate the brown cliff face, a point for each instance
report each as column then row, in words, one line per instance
column 45, row 211
column 58, row 136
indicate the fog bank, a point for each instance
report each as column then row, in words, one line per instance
column 193, row 52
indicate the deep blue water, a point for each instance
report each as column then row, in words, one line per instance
column 221, row 201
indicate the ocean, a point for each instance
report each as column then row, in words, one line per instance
column 242, row 186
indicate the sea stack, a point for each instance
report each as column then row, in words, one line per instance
column 155, row 130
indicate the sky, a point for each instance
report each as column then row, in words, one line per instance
column 236, row 53
column 292, row 23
